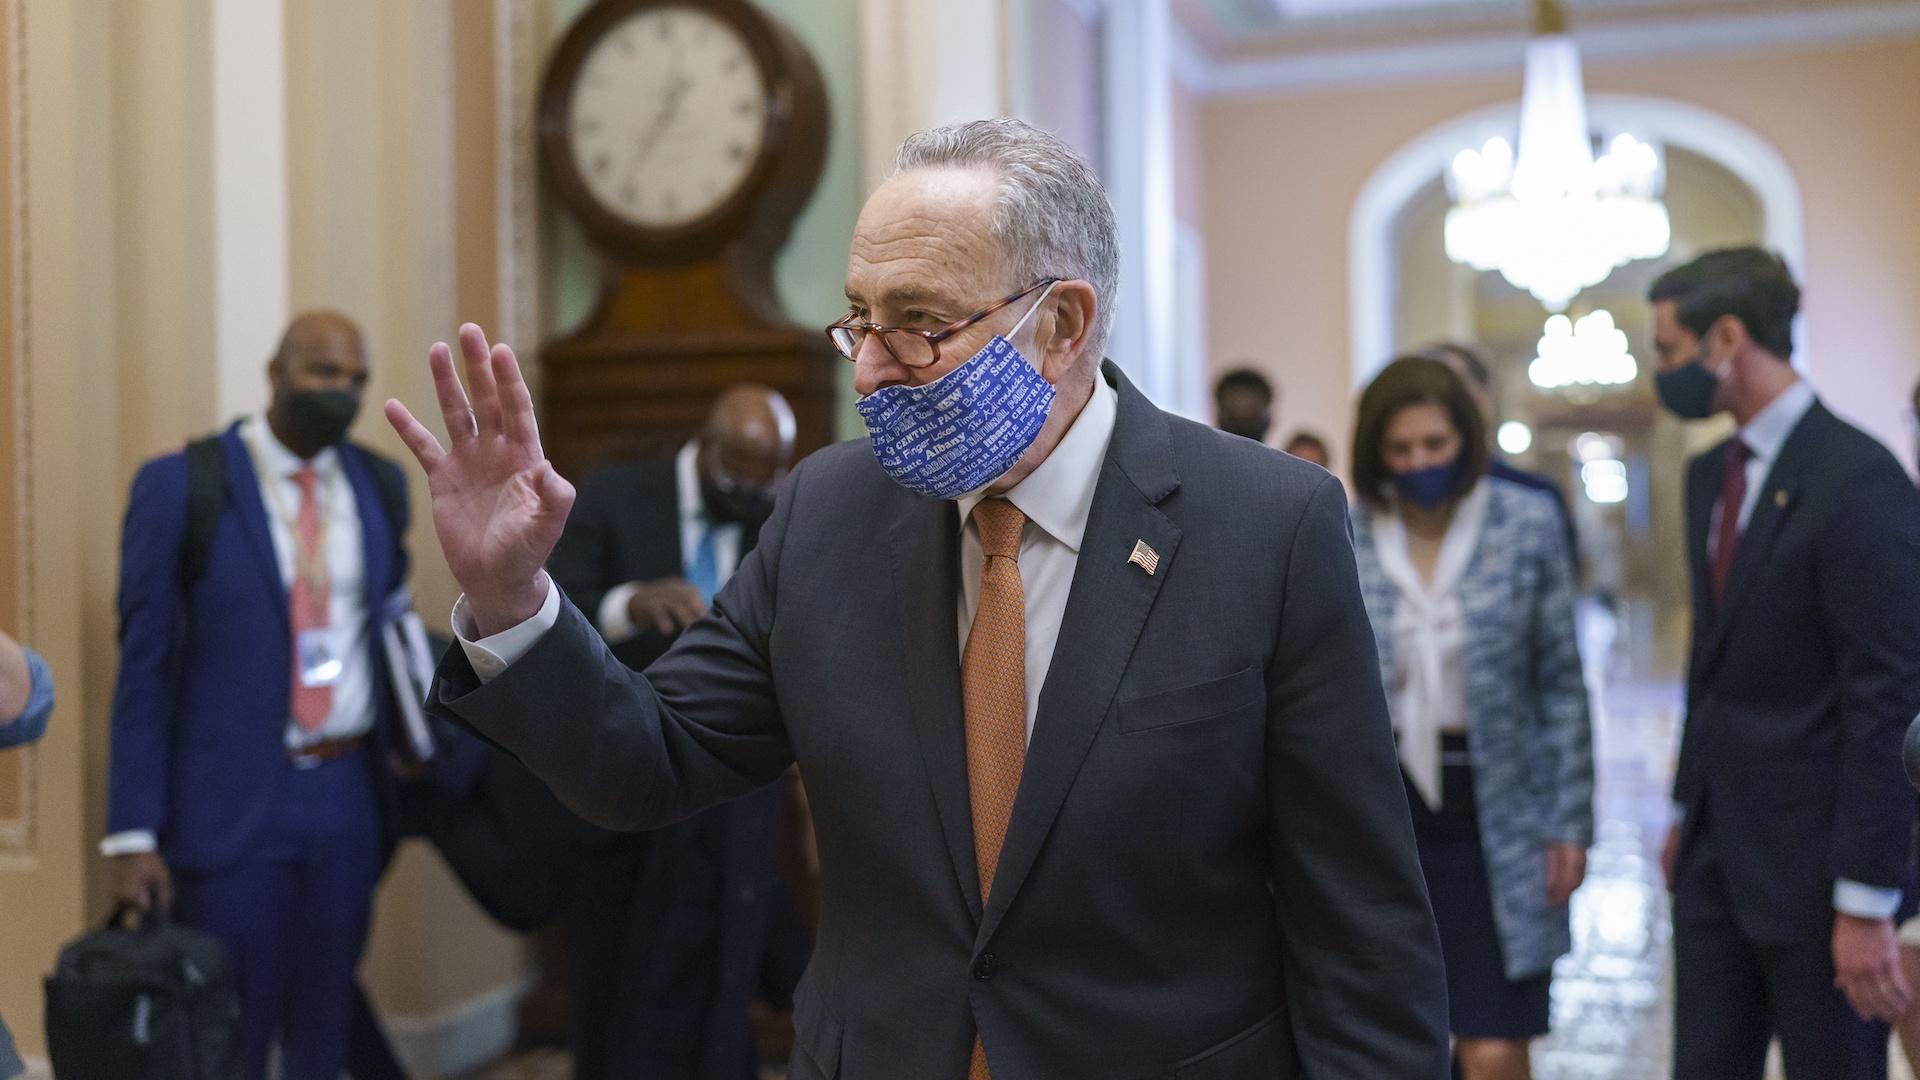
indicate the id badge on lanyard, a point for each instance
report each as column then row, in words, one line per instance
column 319, row 655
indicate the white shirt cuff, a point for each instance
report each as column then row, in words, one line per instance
column 615, row 619
column 131, row 842
column 1865, row 901
column 493, row 655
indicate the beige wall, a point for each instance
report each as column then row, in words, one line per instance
column 1282, row 173
column 115, row 362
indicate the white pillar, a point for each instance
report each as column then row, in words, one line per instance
column 926, row 63
column 249, row 197
column 1139, row 175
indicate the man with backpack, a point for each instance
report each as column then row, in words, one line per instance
column 255, row 740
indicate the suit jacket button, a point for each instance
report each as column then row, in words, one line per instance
column 985, row 967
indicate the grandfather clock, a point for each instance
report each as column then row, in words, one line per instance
column 685, row 136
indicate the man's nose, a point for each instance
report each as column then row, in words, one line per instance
column 874, row 367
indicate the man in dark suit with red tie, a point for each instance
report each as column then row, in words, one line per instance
column 1790, row 861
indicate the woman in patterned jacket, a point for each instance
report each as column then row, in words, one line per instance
column 1470, row 589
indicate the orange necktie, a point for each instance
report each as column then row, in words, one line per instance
column 993, row 684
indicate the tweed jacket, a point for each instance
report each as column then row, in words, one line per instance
column 1532, row 744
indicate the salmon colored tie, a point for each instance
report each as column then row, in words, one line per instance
column 993, row 682
column 308, row 601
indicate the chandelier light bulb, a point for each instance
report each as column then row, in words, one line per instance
column 1592, row 352
column 1551, row 217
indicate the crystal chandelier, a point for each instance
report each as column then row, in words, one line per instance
column 1553, row 219
column 1590, row 353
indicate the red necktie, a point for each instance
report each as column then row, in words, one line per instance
column 308, row 601
column 1733, row 495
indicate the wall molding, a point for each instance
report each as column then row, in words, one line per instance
column 1482, row 54
column 16, row 834
column 462, row 1037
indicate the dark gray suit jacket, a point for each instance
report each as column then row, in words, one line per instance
column 1209, row 872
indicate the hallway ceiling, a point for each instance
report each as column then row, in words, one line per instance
column 1257, row 29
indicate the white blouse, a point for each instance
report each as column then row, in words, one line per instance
column 1427, row 694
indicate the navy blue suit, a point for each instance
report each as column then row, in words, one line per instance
column 278, row 861
column 1799, row 690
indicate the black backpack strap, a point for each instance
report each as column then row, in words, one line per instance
column 206, row 494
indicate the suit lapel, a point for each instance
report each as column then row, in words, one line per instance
column 1777, row 500
column 926, row 590
column 376, row 543
column 1106, row 609
column 1702, row 490
column 243, row 495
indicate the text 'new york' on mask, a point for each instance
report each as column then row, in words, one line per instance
column 965, row 429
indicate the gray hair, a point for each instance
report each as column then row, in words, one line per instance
column 1052, row 217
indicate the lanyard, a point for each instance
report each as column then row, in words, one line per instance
column 308, row 566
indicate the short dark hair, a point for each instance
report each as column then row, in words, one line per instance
column 1466, row 356
column 1243, row 379
column 1408, row 381
column 1308, row 438
column 1749, row 283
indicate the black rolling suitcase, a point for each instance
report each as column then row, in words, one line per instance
column 153, row 1002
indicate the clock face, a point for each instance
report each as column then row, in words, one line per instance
column 668, row 116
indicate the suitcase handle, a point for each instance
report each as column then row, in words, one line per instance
column 154, row 918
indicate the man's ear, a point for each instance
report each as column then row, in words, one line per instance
column 1075, row 305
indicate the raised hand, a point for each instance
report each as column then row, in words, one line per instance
column 498, row 504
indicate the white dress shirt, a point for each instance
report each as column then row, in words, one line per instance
column 275, row 466
column 1056, row 498
column 614, row 619
column 1428, row 695
column 1764, row 437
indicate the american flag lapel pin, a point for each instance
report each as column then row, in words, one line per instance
column 1780, row 500
column 1144, row 557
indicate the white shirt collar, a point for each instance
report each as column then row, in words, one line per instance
column 686, row 475
column 279, row 461
column 1058, row 495
column 1767, row 432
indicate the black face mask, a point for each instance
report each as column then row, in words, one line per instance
column 744, row 506
column 317, row 419
column 1688, row 391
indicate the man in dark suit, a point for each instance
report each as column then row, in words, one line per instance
column 672, row 933
column 1791, row 858
column 253, row 719
column 1085, row 696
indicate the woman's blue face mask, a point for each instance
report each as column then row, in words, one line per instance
column 1429, row 487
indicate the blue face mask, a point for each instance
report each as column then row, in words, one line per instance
column 1429, row 487
column 961, row 431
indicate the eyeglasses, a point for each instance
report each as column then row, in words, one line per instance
column 915, row 348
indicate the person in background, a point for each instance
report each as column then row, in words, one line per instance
column 1471, row 597
column 1472, row 367
column 1307, row 446
column 1791, row 857
column 251, row 775
column 672, row 933
column 26, row 701
column 1243, row 403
